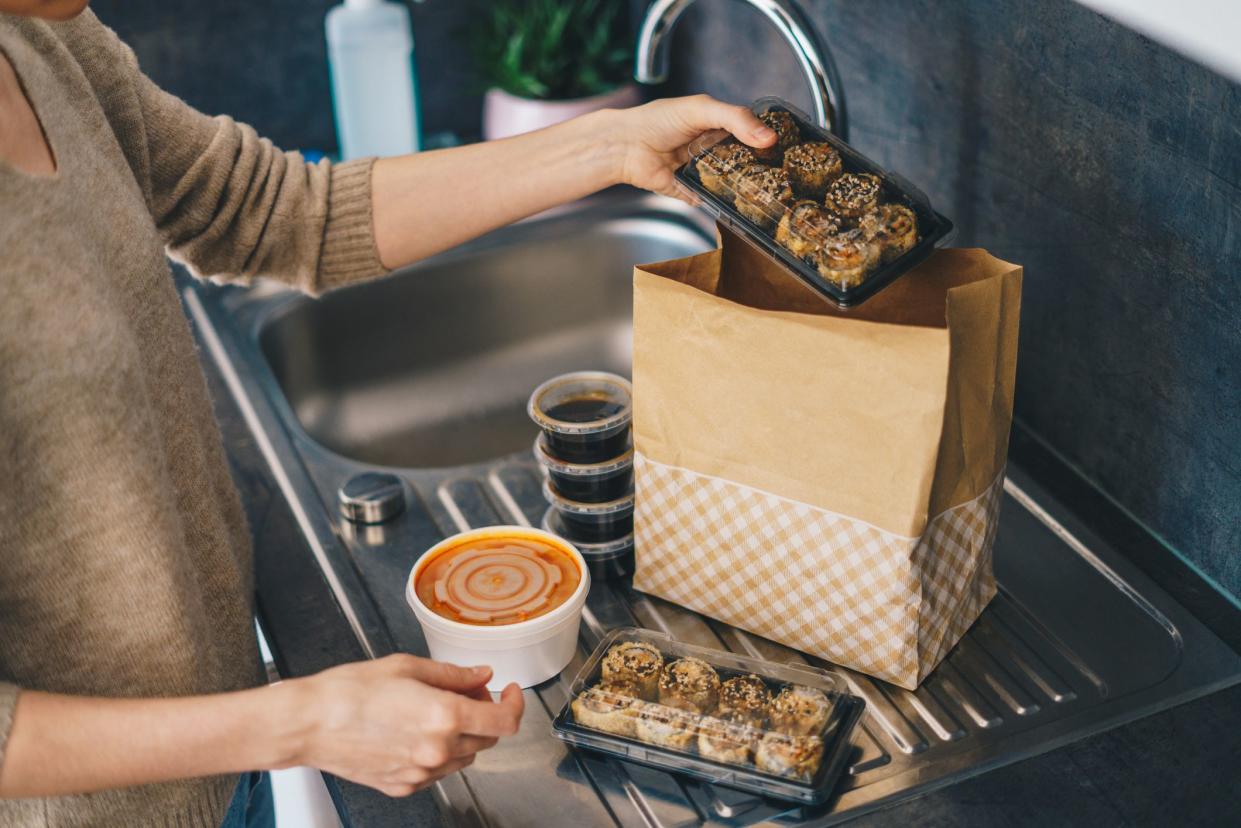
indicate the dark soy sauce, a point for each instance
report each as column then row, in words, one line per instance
column 586, row 409
column 587, row 448
column 587, row 488
column 598, row 528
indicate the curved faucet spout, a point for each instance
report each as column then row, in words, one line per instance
column 789, row 19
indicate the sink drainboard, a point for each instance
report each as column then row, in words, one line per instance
column 1074, row 642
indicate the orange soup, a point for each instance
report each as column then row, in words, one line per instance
column 497, row 580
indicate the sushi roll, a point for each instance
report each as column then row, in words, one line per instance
column 636, row 662
column 846, row 258
column 896, row 230
column 622, row 687
column 800, row 711
column 607, row 709
column 787, row 135
column 805, row 227
column 727, row 738
column 658, row 724
column 690, row 684
column 717, row 166
column 811, row 168
column 762, row 194
column 853, row 194
column 795, row 757
column 745, row 697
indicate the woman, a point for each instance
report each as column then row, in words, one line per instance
column 129, row 678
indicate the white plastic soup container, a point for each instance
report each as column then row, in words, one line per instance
column 527, row 652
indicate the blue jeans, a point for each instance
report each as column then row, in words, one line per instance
column 252, row 805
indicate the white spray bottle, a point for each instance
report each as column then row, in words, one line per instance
column 370, row 54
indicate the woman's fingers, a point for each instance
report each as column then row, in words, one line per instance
column 469, row 745
column 440, row 674
column 421, row 777
column 492, row 719
column 478, row 694
column 708, row 113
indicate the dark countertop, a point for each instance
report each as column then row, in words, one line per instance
column 1178, row 767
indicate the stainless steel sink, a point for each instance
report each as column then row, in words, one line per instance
column 427, row 373
column 433, row 368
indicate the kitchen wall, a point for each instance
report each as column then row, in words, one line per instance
column 1110, row 168
column 265, row 61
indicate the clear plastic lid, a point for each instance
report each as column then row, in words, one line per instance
column 582, row 403
column 776, row 729
column 839, row 222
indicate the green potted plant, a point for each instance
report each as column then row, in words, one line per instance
column 550, row 60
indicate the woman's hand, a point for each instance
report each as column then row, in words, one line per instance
column 399, row 723
column 655, row 137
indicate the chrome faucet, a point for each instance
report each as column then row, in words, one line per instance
column 812, row 53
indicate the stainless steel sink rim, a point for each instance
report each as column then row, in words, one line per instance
column 924, row 735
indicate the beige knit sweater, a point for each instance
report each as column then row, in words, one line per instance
column 125, row 565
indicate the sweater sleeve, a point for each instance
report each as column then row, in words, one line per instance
column 228, row 203
column 8, row 702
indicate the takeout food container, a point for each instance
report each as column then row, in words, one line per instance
column 584, row 415
column 836, row 220
column 780, row 730
column 607, row 560
column 587, row 482
column 592, row 522
column 527, row 652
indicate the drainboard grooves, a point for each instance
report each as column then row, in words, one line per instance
column 727, row 804
column 872, row 753
column 520, row 490
column 880, row 708
column 663, row 796
column 467, row 504
column 946, row 727
column 615, row 788
column 982, row 670
column 738, row 809
column 759, row 647
column 610, row 610
column 677, row 622
column 976, row 706
column 1000, row 638
column 1030, row 629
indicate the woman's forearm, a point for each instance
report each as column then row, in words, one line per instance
column 431, row 201
column 396, row 724
column 62, row 745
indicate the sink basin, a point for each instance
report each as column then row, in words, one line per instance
column 428, row 373
column 432, row 368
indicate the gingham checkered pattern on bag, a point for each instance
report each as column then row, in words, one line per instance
column 880, row 603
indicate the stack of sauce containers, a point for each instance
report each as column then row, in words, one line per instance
column 585, row 452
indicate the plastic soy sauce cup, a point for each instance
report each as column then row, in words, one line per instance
column 584, row 415
column 592, row 522
column 607, row 560
column 587, row 482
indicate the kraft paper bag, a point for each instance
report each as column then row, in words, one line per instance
column 826, row 479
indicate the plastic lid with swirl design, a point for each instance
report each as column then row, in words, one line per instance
column 498, row 584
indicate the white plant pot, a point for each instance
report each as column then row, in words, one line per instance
column 505, row 114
